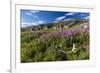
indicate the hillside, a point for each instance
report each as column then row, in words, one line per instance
column 64, row 24
column 62, row 41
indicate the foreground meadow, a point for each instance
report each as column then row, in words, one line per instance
column 62, row 44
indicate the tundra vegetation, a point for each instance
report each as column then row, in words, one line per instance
column 54, row 41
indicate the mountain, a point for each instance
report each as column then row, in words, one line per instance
column 67, row 23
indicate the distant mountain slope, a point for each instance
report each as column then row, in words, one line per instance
column 67, row 23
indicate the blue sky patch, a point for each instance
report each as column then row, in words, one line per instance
column 35, row 17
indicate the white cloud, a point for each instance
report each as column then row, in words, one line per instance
column 34, row 23
column 87, row 17
column 82, row 14
column 71, row 13
column 25, row 24
column 60, row 18
column 63, row 17
column 30, row 13
column 55, row 21
column 34, row 11
column 35, row 17
column 40, row 22
column 67, row 19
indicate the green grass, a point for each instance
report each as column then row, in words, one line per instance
column 34, row 49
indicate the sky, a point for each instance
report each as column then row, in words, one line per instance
column 35, row 17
